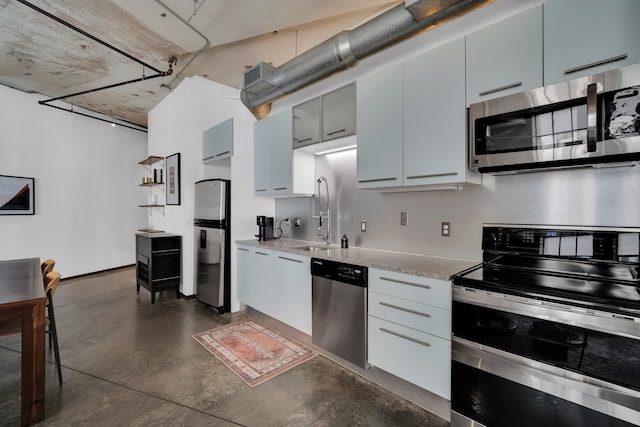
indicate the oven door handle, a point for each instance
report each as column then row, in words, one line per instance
column 517, row 299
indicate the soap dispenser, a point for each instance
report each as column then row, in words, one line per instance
column 345, row 242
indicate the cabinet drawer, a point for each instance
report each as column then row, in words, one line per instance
column 421, row 359
column 425, row 318
column 419, row 289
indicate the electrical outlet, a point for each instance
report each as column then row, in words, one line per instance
column 363, row 226
column 404, row 218
column 445, row 229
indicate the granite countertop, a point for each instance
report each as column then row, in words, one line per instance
column 417, row 265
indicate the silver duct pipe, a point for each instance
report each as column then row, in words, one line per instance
column 347, row 48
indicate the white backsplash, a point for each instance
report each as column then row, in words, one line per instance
column 589, row 196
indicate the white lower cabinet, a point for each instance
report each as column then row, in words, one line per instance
column 255, row 278
column 419, row 358
column 409, row 329
column 292, row 290
column 277, row 284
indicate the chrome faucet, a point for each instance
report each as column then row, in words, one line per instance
column 324, row 214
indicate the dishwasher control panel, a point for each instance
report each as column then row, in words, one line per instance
column 339, row 271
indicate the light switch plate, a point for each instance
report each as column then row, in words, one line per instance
column 404, row 218
column 363, row 226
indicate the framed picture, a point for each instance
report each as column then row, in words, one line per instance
column 17, row 195
column 172, row 167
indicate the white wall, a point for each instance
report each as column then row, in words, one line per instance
column 86, row 191
column 176, row 125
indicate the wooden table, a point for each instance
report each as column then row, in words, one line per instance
column 22, row 297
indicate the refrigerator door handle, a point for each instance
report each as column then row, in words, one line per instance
column 203, row 239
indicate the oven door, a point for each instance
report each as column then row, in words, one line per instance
column 522, row 362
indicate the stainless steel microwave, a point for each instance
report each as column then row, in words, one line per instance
column 592, row 120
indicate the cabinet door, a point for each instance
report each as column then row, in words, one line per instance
column 420, row 358
column 262, row 283
column 292, row 290
column 339, row 113
column 435, row 117
column 217, row 142
column 505, row 58
column 281, row 153
column 255, row 278
column 306, row 123
column 243, row 274
column 583, row 37
column 380, row 134
column 262, row 139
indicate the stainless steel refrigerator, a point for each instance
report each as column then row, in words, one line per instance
column 212, row 245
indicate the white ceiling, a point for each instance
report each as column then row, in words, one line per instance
column 215, row 39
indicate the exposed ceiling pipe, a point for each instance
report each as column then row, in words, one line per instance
column 159, row 73
column 90, row 36
column 347, row 48
column 207, row 43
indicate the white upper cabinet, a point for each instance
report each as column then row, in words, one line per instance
column 583, row 37
column 262, row 137
column 412, row 123
column 505, row 58
column 339, row 113
column 217, row 142
column 380, row 129
column 306, row 123
column 435, row 143
column 278, row 170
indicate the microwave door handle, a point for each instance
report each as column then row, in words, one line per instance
column 592, row 117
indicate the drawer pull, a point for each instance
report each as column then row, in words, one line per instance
column 262, row 253
column 223, row 153
column 260, row 189
column 243, row 249
column 300, row 141
column 424, row 343
column 279, row 188
column 408, row 310
column 402, row 282
column 498, row 89
column 433, row 175
column 290, row 259
column 335, row 132
column 595, row 64
column 376, row 180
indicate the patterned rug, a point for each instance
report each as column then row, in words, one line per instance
column 252, row 351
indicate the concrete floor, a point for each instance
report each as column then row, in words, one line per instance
column 126, row 362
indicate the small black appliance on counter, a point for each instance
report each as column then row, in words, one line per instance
column 265, row 227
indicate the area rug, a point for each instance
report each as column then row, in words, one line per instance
column 252, row 351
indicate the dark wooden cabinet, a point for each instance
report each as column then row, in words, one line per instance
column 158, row 263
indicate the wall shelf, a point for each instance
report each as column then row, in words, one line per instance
column 151, row 160
column 148, row 164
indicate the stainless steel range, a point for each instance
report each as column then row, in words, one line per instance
column 546, row 331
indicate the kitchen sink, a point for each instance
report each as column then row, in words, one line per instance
column 311, row 248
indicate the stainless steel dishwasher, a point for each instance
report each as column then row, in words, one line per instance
column 339, row 309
